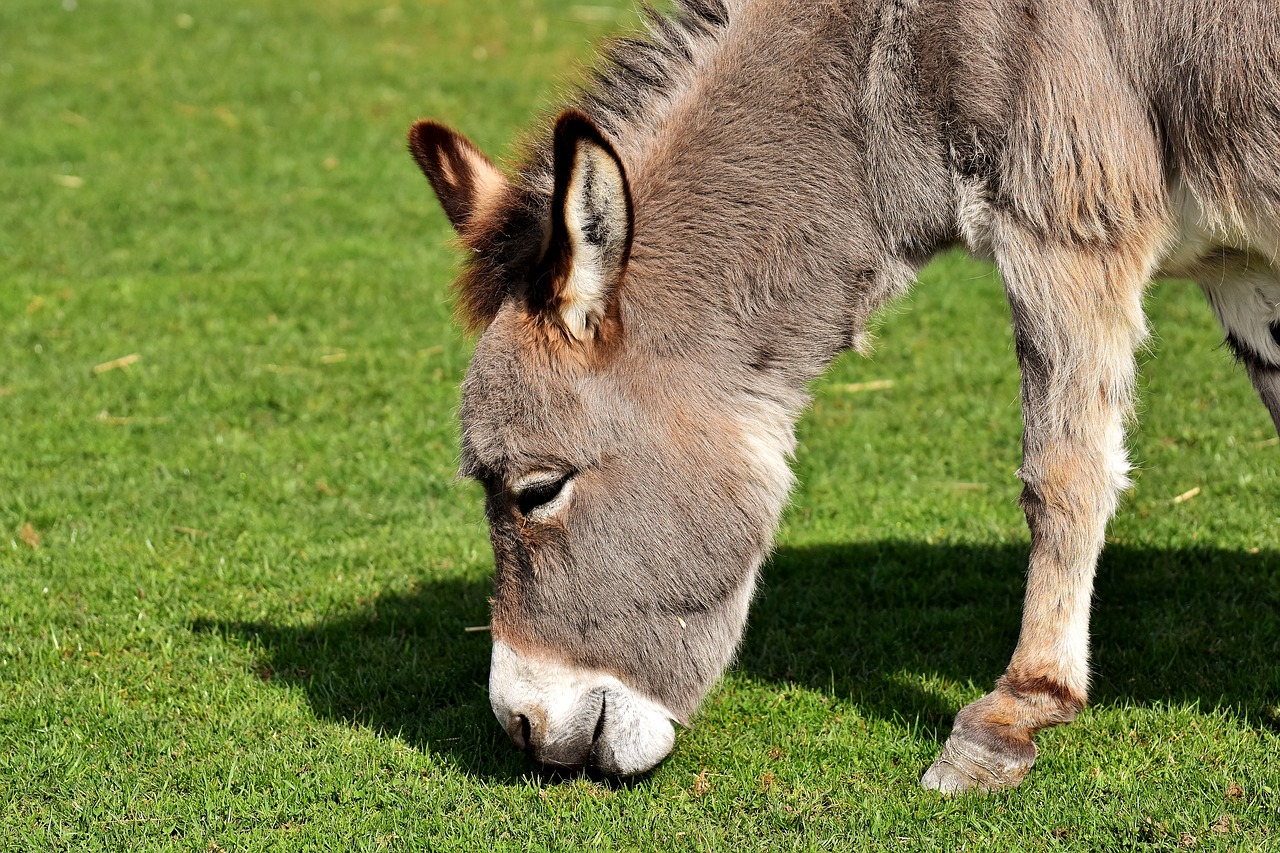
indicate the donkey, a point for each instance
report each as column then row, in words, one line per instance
column 714, row 218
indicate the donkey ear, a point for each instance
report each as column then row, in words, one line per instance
column 464, row 179
column 591, row 225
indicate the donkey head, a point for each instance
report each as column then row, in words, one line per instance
column 630, row 493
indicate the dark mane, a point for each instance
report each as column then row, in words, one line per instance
column 635, row 74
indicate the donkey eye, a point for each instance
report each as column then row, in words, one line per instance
column 540, row 493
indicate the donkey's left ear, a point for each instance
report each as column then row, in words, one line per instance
column 465, row 181
column 591, row 226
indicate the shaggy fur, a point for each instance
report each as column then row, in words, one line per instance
column 789, row 166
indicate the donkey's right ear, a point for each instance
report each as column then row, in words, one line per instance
column 465, row 181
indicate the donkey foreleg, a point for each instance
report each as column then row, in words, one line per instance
column 1265, row 378
column 1076, row 341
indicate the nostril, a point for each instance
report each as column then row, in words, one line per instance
column 521, row 731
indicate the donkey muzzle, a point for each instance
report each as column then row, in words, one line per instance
column 567, row 717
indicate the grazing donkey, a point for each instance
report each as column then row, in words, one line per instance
column 714, row 220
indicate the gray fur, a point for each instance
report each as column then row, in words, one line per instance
column 791, row 165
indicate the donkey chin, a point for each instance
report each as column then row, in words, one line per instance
column 568, row 717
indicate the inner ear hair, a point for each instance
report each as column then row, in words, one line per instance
column 464, row 179
column 592, row 224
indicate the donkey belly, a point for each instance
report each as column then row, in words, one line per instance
column 1235, row 269
column 1195, row 242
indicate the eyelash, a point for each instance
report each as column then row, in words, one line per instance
column 530, row 498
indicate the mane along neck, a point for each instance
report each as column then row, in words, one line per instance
column 638, row 78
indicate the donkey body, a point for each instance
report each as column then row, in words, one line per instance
column 716, row 218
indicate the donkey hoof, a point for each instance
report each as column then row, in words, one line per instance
column 967, row 767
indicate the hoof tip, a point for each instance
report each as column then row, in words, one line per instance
column 948, row 779
column 964, row 768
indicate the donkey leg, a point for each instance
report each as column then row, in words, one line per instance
column 1247, row 302
column 1076, row 345
column 1266, row 378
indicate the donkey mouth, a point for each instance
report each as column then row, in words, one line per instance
column 567, row 718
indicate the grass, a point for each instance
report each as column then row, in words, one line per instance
column 235, row 574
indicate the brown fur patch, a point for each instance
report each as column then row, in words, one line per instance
column 1043, row 689
column 545, row 339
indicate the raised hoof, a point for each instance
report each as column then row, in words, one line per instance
column 967, row 767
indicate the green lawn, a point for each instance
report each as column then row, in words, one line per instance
column 235, row 573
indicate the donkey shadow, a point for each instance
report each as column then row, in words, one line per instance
column 865, row 620
column 862, row 620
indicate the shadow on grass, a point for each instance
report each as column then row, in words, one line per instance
column 861, row 620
